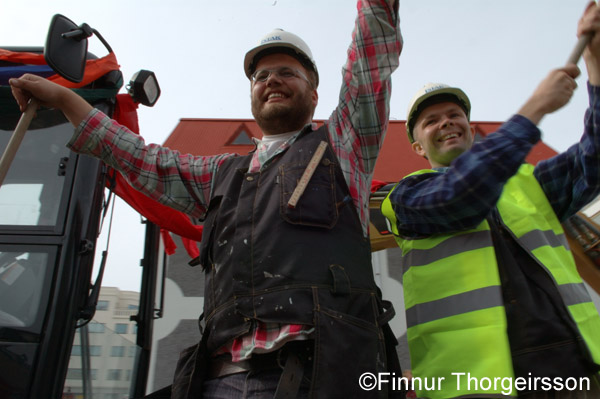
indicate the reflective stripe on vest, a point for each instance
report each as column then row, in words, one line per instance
column 537, row 238
column 450, row 247
column 531, row 241
column 483, row 298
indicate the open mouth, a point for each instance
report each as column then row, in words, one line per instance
column 448, row 136
column 274, row 96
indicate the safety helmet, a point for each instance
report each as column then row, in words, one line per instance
column 288, row 43
column 430, row 90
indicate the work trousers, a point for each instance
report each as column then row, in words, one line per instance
column 249, row 385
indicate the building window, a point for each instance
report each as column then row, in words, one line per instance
column 132, row 351
column 133, row 307
column 102, row 305
column 77, row 374
column 95, row 350
column 113, row 375
column 96, row 327
column 117, row 351
column 121, row 328
column 76, row 350
column 74, row 374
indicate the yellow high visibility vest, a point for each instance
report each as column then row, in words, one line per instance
column 456, row 322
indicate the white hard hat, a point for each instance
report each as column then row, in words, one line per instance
column 279, row 38
column 430, row 90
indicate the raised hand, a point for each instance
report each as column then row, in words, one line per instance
column 50, row 95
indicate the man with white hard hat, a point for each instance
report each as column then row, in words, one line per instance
column 491, row 289
column 291, row 308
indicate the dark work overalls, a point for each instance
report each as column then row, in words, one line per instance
column 309, row 264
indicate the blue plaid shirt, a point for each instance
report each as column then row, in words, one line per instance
column 459, row 197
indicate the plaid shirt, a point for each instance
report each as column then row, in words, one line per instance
column 462, row 197
column 356, row 129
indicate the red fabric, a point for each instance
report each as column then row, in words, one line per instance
column 191, row 246
column 126, row 112
column 377, row 184
column 168, row 219
column 168, row 242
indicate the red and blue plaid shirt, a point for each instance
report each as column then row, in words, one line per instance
column 356, row 130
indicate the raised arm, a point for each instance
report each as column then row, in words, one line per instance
column 572, row 179
column 180, row 181
column 358, row 124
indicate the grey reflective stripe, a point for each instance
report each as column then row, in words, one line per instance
column 482, row 298
column 454, row 245
column 574, row 293
column 538, row 238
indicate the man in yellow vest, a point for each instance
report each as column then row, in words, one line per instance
column 494, row 305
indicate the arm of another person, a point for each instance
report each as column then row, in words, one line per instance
column 572, row 179
column 183, row 182
column 460, row 196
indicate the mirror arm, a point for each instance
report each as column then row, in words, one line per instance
column 102, row 40
column 84, row 32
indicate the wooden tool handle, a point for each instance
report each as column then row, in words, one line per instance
column 16, row 138
column 579, row 47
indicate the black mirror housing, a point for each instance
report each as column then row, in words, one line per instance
column 66, row 48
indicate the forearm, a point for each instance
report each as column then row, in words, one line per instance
column 74, row 107
column 182, row 182
column 593, row 70
column 572, row 179
column 588, row 25
column 461, row 197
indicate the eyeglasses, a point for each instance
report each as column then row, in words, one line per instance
column 284, row 73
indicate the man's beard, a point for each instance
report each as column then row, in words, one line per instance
column 283, row 118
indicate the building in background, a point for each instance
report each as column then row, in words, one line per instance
column 110, row 340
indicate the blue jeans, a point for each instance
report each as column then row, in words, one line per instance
column 249, row 385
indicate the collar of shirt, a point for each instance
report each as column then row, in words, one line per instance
column 271, row 146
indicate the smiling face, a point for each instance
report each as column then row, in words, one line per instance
column 442, row 132
column 282, row 105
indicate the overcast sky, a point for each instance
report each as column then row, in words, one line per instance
column 496, row 51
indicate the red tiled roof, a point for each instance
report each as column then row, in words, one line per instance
column 215, row 136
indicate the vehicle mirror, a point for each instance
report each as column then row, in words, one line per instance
column 66, row 47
